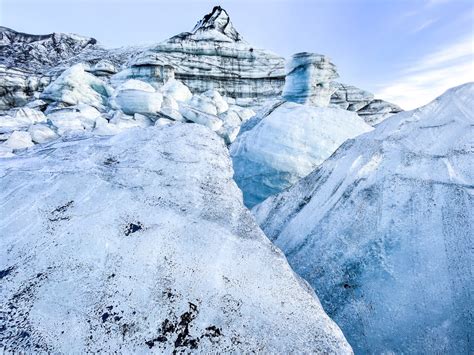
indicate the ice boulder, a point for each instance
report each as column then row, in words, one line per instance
column 383, row 231
column 244, row 113
column 170, row 109
column 135, row 96
column 75, row 86
column 19, row 140
column 176, row 90
column 288, row 144
column 232, row 119
column 20, row 119
column 204, row 104
column 230, row 127
column 163, row 121
column 140, row 243
column 119, row 122
column 6, row 151
column 221, row 105
column 201, row 117
column 42, row 133
column 74, row 119
column 308, row 79
column 104, row 67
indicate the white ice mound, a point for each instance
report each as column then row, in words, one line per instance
column 218, row 101
column 73, row 119
column 140, row 242
column 288, row 144
column 176, row 90
column 42, row 133
column 19, row 140
column 201, row 117
column 383, row 230
column 20, row 119
column 75, row 86
column 308, row 79
column 135, row 96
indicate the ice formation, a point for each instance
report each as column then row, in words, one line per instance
column 372, row 110
column 383, row 230
column 140, row 242
column 213, row 56
column 308, row 79
column 136, row 238
column 76, row 86
column 135, row 96
column 287, row 144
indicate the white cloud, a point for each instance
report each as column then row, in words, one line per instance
column 424, row 25
column 428, row 78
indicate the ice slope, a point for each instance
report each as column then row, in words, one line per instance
column 140, row 242
column 383, row 230
column 286, row 144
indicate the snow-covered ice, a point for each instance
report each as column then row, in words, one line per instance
column 42, row 133
column 19, row 140
column 75, row 86
column 135, row 96
column 140, row 242
column 287, row 144
column 308, row 79
column 383, row 230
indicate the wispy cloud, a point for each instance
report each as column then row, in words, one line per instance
column 424, row 25
column 428, row 78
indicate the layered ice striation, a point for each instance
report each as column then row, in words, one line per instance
column 383, row 230
column 140, row 242
column 372, row 110
column 19, row 86
column 308, row 79
column 213, row 56
column 288, row 141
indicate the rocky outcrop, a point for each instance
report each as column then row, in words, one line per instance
column 214, row 56
column 140, row 243
column 308, row 79
column 383, row 230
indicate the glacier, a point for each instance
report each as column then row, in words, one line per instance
column 383, row 230
column 213, row 56
column 126, row 175
column 140, row 242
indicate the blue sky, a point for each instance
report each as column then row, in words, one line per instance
column 405, row 51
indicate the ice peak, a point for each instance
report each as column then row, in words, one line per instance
column 218, row 19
